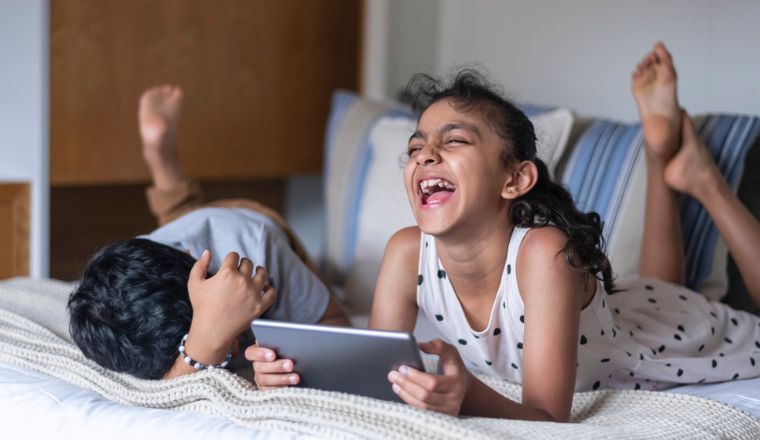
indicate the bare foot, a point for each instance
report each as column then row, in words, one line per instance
column 693, row 167
column 653, row 85
column 158, row 114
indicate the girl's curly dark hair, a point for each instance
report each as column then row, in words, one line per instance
column 547, row 203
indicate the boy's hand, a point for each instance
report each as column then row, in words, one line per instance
column 438, row 392
column 268, row 371
column 225, row 304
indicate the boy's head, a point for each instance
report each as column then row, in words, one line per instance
column 131, row 307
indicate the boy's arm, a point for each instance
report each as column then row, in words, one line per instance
column 223, row 307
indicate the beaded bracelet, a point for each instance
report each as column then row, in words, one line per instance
column 200, row 365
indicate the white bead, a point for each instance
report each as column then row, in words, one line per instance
column 210, row 367
column 181, row 348
column 187, row 359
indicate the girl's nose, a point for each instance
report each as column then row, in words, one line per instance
column 428, row 155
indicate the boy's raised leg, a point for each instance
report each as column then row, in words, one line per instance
column 172, row 194
column 158, row 115
column 653, row 84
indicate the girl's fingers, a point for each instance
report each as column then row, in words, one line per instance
column 416, row 390
column 408, row 396
column 260, row 354
column 276, row 380
column 279, row 366
column 425, row 380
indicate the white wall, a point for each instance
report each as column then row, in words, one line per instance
column 580, row 54
column 24, row 112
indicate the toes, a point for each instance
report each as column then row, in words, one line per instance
column 662, row 52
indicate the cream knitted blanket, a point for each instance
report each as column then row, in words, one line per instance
column 33, row 335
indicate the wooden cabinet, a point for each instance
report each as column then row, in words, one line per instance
column 14, row 229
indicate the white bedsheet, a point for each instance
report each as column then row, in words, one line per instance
column 38, row 406
column 34, row 405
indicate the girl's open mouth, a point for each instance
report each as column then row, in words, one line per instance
column 434, row 191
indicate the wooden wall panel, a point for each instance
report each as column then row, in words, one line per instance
column 257, row 75
column 14, row 229
column 86, row 218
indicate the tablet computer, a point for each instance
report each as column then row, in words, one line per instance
column 343, row 359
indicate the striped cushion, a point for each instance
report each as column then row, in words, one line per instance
column 606, row 173
column 365, row 199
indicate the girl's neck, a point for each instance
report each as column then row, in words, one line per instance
column 474, row 259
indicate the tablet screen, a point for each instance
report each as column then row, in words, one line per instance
column 340, row 358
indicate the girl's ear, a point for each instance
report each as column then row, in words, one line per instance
column 521, row 180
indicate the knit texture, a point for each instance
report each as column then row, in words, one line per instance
column 34, row 337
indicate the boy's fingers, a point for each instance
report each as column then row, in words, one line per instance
column 230, row 261
column 246, row 267
column 260, row 278
column 269, row 297
column 200, row 268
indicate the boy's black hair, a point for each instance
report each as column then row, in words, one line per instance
column 547, row 203
column 132, row 307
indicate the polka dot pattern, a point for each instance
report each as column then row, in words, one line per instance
column 649, row 335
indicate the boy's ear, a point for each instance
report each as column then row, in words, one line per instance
column 521, row 180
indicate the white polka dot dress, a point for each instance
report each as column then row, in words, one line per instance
column 649, row 335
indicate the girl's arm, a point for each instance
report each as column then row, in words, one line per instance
column 394, row 306
column 553, row 293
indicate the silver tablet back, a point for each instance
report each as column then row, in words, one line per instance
column 340, row 358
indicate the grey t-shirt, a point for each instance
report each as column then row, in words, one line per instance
column 301, row 295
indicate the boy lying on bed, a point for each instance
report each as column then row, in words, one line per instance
column 146, row 307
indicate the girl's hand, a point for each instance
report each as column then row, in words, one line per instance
column 438, row 392
column 270, row 372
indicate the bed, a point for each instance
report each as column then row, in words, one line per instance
column 50, row 390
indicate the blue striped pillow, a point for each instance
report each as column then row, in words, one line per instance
column 606, row 173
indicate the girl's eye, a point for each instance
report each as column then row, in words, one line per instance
column 413, row 149
column 454, row 141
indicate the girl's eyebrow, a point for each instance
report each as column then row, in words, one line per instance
column 418, row 134
column 459, row 125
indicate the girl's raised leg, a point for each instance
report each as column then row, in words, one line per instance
column 692, row 171
column 653, row 85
